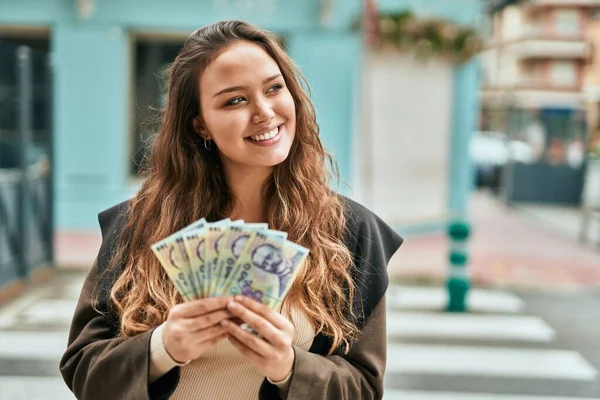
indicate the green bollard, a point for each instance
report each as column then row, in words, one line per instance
column 458, row 283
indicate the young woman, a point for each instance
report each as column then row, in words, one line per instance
column 238, row 139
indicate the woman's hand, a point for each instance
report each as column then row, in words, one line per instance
column 193, row 328
column 271, row 351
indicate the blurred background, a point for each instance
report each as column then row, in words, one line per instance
column 471, row 126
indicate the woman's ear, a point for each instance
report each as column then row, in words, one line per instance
column 199, row 128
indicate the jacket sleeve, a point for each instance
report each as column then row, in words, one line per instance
column 97, row 365
column 358, row 374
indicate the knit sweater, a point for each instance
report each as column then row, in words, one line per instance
column 223, row 372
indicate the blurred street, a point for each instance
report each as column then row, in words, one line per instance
column 514, row 345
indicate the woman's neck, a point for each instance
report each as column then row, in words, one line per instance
column 246, row 186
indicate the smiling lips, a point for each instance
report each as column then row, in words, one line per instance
column 268, row 138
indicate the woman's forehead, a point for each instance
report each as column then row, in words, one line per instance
column 239, row 62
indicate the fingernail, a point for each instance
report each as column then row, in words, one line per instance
column 225, row 322
column 232, row 305
column 239, row 298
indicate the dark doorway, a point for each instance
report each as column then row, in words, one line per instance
column 26, row 157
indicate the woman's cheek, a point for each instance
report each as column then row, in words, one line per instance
column 289, row 105
column 229, row 126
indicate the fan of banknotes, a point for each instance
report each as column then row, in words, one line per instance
column 231, row 258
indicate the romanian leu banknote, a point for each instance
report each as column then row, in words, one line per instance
column 173, row 258
column 266, row 269
column 194, row 243
column 237, row 244
column 233, row 242
column 214, row 243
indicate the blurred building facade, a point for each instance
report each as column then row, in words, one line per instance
column 106, row 61
column 592, row 80
column 538, row 51
column 538, row 81
column 90, row 120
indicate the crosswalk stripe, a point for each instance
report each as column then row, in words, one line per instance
column 488, row 361
column 73, row 289
column 390, row 394
column 468, row 326
column 33, row 345
column 12, row 309
column 436, row 298
column 34, row 388
column 57, row 311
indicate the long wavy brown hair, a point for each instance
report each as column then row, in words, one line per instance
column 184, row 181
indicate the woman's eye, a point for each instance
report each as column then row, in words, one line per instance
column 234, row 101
column 276, row 88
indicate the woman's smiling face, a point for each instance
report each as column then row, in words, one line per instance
column 247, row 109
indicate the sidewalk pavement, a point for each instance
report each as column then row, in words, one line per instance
column 509, row 249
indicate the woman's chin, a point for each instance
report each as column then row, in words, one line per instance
column 273, row 159
column 273, row 162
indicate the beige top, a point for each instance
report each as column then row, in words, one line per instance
column 223, row 372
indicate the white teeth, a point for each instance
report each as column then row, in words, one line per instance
column 266, row 136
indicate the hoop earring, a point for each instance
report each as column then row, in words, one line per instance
column 207, row 144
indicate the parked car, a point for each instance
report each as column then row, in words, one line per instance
column 490, row 151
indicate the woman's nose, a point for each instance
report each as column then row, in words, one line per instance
column 264, row 112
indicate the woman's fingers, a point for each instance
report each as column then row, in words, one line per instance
column 278, row 320
column 207, row 335
column 258, row 322
column 207, row 320
column 199, row 307
column 193, row 328
column 245, row 350
column 249, row 340
column 205, row 346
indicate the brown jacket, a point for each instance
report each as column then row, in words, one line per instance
column 99, row 366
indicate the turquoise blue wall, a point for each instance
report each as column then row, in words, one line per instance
column 332, row 94
column 92, row 82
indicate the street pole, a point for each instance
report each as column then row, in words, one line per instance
column 465, row 105
column 25, row 114
column 459, row 281
column 508, row 171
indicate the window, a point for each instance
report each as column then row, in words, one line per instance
column 567, row 22
column 152, row 57
column 10, row 134
column 563, row 73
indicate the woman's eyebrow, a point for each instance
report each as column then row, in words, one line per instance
column 269, row 79
column 237, row 88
